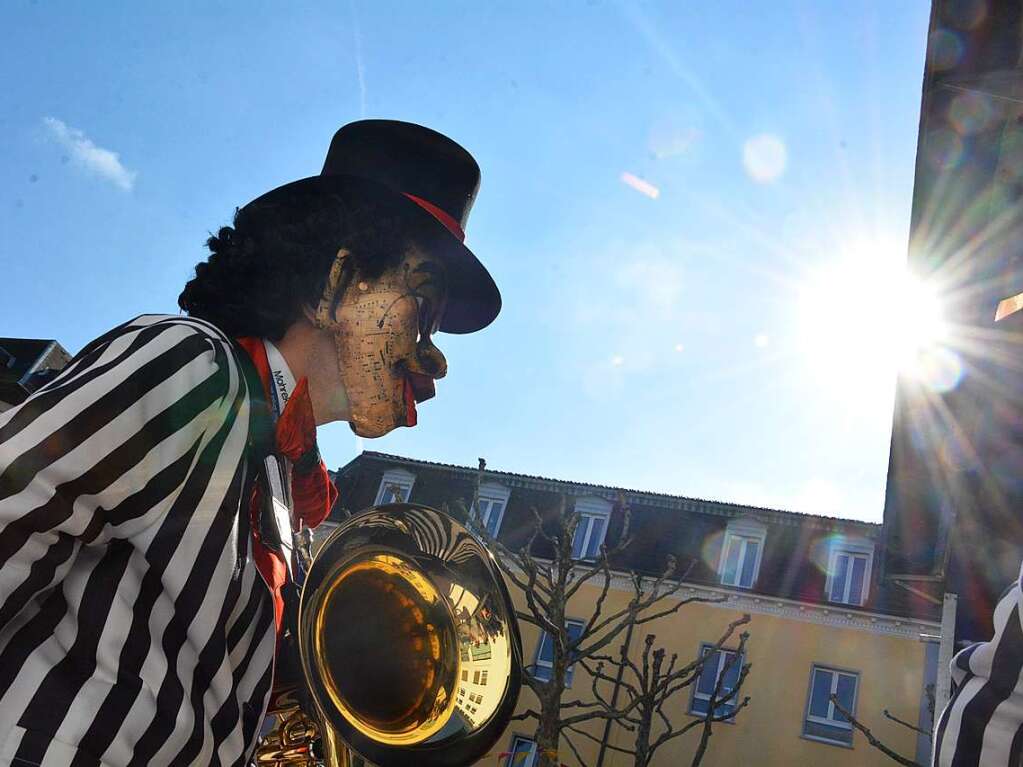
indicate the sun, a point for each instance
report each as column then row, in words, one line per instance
column 864, row 319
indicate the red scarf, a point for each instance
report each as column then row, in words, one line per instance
column 311, row 489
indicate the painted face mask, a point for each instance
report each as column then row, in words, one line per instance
column 382, row 330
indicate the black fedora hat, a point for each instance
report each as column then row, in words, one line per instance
column 427, row 177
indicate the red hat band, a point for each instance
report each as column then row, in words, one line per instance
column 449, row 223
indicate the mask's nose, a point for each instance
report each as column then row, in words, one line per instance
column 430, row 360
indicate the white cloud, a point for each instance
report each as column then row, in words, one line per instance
column 103, row 162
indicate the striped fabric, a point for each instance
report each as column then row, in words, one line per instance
column 134, row 626
column 982, row 725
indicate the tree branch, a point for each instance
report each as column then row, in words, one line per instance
column 524, row 715
column 896, row 719
column 599, row 741
column 870, row 737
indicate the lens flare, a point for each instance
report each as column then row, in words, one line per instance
column 938, row 368
column 944, row 49
column 765, row 158
column 971, row 112
column 711, row 549
column 944, row 148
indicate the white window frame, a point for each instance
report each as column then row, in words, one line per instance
column 406, row 480
column 539, row 663
column 741, row 533
column 829, row 721
column 495, row 494
column 723, row 653
column 530, row 760
column 852, row 549
column 590, row 510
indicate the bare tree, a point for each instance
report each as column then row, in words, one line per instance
column 651, row 686
column 547, row 586
column 878, row 744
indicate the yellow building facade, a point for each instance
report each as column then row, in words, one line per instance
column 822, row 621
column 787, row 640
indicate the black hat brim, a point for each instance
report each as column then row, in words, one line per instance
column 474, row 300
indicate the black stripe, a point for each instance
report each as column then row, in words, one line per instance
column 62, row 387
column 252, row 719
column 227, row 718
column 85, row 423
column 25, row 641
column 40, row 577
column 253, row 707
column 59, row 507
column 1004, row 676
column 213, row 653
column 156, row 489
column 1016, row 749
column 54, row 696
column 946, row 714
column 962, row 661
column 136, row 645
column 171, row 693
column 236, row 631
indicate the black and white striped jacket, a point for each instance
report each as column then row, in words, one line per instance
column 134, row 626
column 982, row 725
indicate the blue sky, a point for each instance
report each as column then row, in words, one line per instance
column 664, row 185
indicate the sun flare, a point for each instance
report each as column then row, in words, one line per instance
column 864, row 319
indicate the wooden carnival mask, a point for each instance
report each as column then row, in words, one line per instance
column 382, row 330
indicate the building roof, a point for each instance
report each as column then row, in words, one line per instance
column 19, row 358
column 793, row 560
column 684, row 503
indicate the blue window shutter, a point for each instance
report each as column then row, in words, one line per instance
column 732, row 674
column 841, row 572
column 579, row 537
column 749, row 564
column 846, row 694
column 496, row 509
column 820, row 693
column 596, row 536
column 856, row 588
column 709, row 674
column 574, row 630
column 731, row 561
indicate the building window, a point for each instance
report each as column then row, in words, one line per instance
column 545, row 653
column 395, row 487
column 741, row 553
column 823, row 720
column 492, row 502
column 321, row 533
column 716, row 663
column 594, row 514
column 523, row 753
column 849, row 566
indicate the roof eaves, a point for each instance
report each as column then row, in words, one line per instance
column 664, row 501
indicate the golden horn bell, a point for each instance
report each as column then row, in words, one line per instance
column 407, row 644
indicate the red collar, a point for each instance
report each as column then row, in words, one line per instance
column 295, row 433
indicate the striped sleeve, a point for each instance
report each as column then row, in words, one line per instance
column 101, row 452
column 983, row 722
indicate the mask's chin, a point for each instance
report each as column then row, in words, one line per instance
column 385, row 416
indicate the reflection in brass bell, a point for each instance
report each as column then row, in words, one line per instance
column 408, row 645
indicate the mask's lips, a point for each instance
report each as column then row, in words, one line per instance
column 423, row 387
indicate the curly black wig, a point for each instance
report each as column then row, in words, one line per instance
column 274, row 261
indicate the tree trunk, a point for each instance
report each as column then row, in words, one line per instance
column 643, row 736
column 547, row 738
